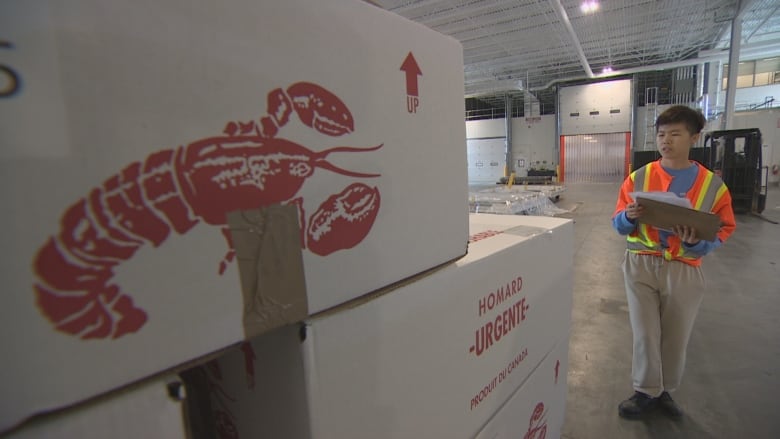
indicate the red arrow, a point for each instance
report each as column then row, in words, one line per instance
column 249, row 364
column 412, row 71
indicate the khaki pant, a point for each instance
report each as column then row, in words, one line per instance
column 663, row 299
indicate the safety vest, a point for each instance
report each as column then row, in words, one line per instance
column 705, row 193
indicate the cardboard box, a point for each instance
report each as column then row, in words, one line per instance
column 537, row 408
column 152, row 409
column 141, row 131
column 434, row 358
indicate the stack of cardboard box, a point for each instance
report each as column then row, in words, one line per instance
column 152, row 408
column 208, row 174
column 437, row 356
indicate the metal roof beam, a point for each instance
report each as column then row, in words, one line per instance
column 766, row 18
column 559, row 9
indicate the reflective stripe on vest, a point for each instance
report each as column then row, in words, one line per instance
column 711, row 190
column 643, row 241
column 643, row 176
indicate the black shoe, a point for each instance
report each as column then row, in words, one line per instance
column 670, row 407
column 636, row 406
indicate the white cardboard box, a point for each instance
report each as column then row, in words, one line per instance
column 145, row 410
column 537, row 408
column 136, row 128
column 416, row 361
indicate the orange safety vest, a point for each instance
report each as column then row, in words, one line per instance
column 708, row 194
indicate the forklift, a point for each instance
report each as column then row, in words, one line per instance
column 735, row 156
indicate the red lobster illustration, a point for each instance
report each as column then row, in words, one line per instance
column 537, row 425
column 177, row 188
column 224, row 419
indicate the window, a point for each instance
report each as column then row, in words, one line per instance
column 745, row 73
column 767, row 71
column 754, row 73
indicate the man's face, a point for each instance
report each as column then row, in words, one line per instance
column 674, row 141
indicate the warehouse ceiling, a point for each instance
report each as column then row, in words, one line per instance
column 515, row 46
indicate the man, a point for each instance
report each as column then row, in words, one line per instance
column 662, row 269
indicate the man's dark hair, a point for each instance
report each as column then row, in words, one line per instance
column 693, row 119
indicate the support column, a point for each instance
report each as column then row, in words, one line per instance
column 731, row 89
column 703, row 88
column 716, row 98
column 509, row 168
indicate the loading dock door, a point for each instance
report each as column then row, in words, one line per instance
column 595, row 158
column 486, row 159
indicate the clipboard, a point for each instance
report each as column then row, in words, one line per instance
column 665, row 216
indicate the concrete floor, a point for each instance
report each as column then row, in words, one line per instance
column 733, row 371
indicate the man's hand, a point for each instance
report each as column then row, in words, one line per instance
column 634, row 211
column 686, row 234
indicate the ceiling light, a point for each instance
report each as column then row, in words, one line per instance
column 607, row 70
column 589, row 6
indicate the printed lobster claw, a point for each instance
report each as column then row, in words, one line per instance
column 173, row 190
column 343, row 220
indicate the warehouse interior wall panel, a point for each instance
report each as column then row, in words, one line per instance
column 480, row 129
column 533, row 143
column 533, row 140
column 768, row 121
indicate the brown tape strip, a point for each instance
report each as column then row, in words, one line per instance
column 267, row 242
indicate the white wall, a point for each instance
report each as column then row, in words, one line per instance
column 531, row 141
column 756, row 95
column 481, row 129
column 534, row 142
column 538, row 142
column 768, row 121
